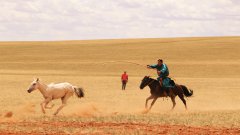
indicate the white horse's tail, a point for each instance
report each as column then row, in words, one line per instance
column 79, row 92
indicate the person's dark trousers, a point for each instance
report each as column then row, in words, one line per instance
column 124, row 83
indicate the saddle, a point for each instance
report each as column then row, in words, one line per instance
column 168, row 83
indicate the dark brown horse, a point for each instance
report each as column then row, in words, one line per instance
column 157, row 91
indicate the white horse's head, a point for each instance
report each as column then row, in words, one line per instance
column 34, row 85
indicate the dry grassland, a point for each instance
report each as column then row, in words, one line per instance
column 209, row 66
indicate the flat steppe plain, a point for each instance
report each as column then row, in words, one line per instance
column 208, row 65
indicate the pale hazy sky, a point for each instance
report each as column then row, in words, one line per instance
column 105, row 19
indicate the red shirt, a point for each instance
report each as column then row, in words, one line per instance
column 124, row 77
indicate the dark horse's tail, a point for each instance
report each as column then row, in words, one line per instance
column 79, row 92
column 186, row 92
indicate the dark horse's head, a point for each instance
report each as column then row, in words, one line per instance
column 145, row 82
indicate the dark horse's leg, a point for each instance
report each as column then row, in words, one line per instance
column 172, row 94
column 183, row 100
column 173, row 101
column 180, row 95
column 150, row 97
column 154, row 100
column 177, row 90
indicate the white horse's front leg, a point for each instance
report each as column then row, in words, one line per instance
column 43, row 110
column 45, row 102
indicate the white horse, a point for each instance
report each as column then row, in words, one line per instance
column 55, row 91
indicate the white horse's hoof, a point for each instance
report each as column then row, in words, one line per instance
column 145, row 111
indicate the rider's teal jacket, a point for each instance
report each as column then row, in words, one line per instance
column 164, row 70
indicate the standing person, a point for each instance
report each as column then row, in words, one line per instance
column 124, row 79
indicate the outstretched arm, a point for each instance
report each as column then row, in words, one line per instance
column 152, row 66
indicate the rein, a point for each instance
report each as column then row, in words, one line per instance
column 151, row 82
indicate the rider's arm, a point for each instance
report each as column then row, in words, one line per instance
column 164, row 68
column 152, row 66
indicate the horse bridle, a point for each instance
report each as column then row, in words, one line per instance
column 150, row 82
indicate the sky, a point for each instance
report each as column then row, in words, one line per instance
column 36, row 20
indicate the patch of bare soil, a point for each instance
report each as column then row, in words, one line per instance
column 109, row 128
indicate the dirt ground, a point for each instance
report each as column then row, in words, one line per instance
column 113, row 128
column 209, row 66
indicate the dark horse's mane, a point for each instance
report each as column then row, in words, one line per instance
column 153, row 87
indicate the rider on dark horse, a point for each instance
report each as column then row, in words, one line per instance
column 163, row 74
